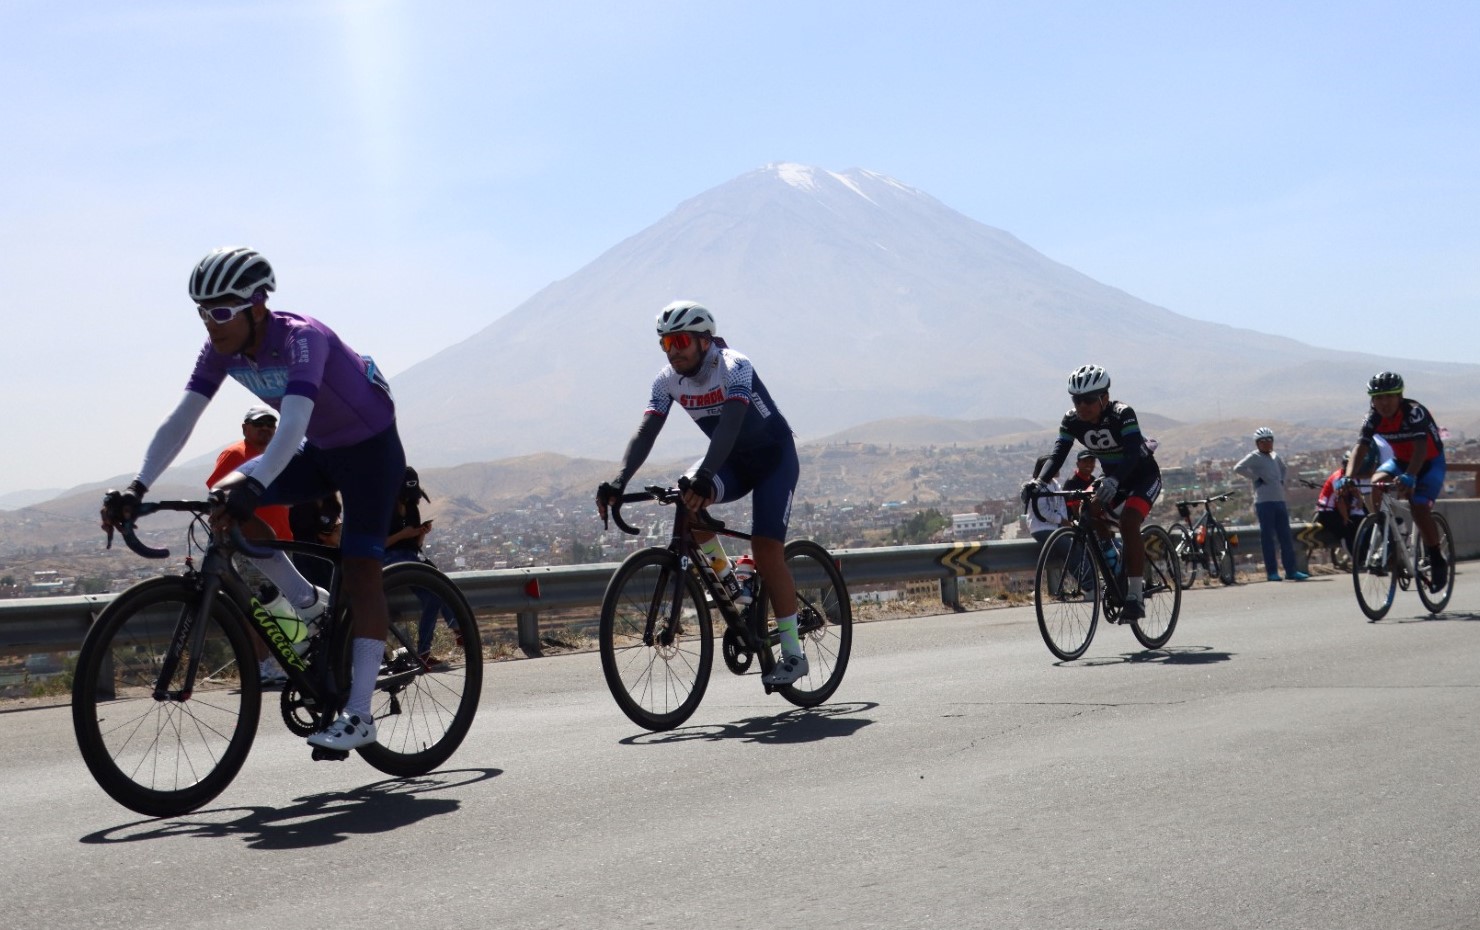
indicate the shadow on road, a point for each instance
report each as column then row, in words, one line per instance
column 1186, row 655
column 1439, row 617
column 803, row 725
column 317, row 820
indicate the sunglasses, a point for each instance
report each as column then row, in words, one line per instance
column 675, row 341
column 221, row 314
column 1083, row 399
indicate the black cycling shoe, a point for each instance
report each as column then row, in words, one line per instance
column 1132, row 611
column 1439, row 569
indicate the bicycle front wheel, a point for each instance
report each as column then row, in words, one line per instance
column 167, row 755
column 824, row 622
column 1161, row 591
column 1066, row 594
column 431, row 675
column 1373, row 571
column 656, row 642
column 1189, row 553
column 1435, row 601
column 1220, row 553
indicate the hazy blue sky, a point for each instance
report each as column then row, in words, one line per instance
column 416, row 169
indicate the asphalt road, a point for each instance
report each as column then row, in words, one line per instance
column 1283, row 763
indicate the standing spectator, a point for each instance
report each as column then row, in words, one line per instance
column 1054, row 512
column 258, row 427
column 408, row 532
column 1267, row 471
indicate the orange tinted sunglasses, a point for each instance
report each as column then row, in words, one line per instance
column 675, row 341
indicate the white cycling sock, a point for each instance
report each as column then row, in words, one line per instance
column 1133, row 588
column 282, row 572
column 368, row 653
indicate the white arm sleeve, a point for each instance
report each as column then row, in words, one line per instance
column 292, row 427
column 171, row 437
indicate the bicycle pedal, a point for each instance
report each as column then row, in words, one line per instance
column 321, row 754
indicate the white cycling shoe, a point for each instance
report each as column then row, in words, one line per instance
column 788, row 670
column 347, row 731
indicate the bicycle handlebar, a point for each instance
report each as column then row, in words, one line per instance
column 1208, row 500
column 198, row 508
column 1081, row 495
column 662, row 495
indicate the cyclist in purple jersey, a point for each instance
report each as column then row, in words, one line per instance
column 751, row 451
column 336, row 432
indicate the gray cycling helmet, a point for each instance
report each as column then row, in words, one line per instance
column 1385, row 382
column 685, row 316
column 1088, row 379
column 232, row 271
column 1263, row 432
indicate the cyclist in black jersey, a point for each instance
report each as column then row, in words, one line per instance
column 1131, row 480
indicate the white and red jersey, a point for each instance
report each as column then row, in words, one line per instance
column 724, row 375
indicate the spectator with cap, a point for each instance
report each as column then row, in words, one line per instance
column 259, row 425
column 1267, row 471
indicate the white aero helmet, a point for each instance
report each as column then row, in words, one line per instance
column 232, row 271
column 685, row 316
column 1263, row 432
column 1088, row 379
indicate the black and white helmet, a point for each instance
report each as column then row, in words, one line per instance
column 685, row 316
column 232, row 271
column 1263, row 432
column 1385, row 382
column 1088, row 379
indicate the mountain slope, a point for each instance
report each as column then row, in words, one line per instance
column 858, row 298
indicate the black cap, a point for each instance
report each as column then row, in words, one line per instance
column 411, row 488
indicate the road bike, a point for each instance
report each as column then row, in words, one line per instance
column 166, row 694
column 656, row 633
column 1390, row 553
column 1074, row 581
column 1203, row 545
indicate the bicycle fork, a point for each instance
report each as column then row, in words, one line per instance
column 190, row 635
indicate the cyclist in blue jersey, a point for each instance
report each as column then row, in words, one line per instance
column 336, row 431
column 1131, row 480
column 1417, row 464
column 751, row 451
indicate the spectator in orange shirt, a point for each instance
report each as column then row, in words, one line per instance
column 258, row 427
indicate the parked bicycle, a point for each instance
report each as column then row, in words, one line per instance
column 656, row 633
column 1390, row 553
column 166, row 696
column 1203, row 545
column 1074, row 581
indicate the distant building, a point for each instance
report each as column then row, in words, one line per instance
column 973, row 525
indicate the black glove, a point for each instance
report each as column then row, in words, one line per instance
column 119, row 507
column 1031, row 489
column 702, row 483
column 608, row 491
column 242, row 498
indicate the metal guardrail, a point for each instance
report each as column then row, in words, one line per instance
column 54, row 624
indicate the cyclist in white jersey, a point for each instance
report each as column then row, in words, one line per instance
column 751, row 451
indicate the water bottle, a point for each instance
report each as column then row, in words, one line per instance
column 1112, row 555
column 745, row 575
column 273, row 611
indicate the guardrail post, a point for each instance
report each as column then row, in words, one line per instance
column 950, row 593
column 529, row 632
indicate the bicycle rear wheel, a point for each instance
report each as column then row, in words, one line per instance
column 1066, row 594
column 165, row 757
column 656, row 664
column 1373, row 572
column 1161, row 592
column 824, row 622
column 431, row 677
column 1188, row 552
column 1435, row 601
